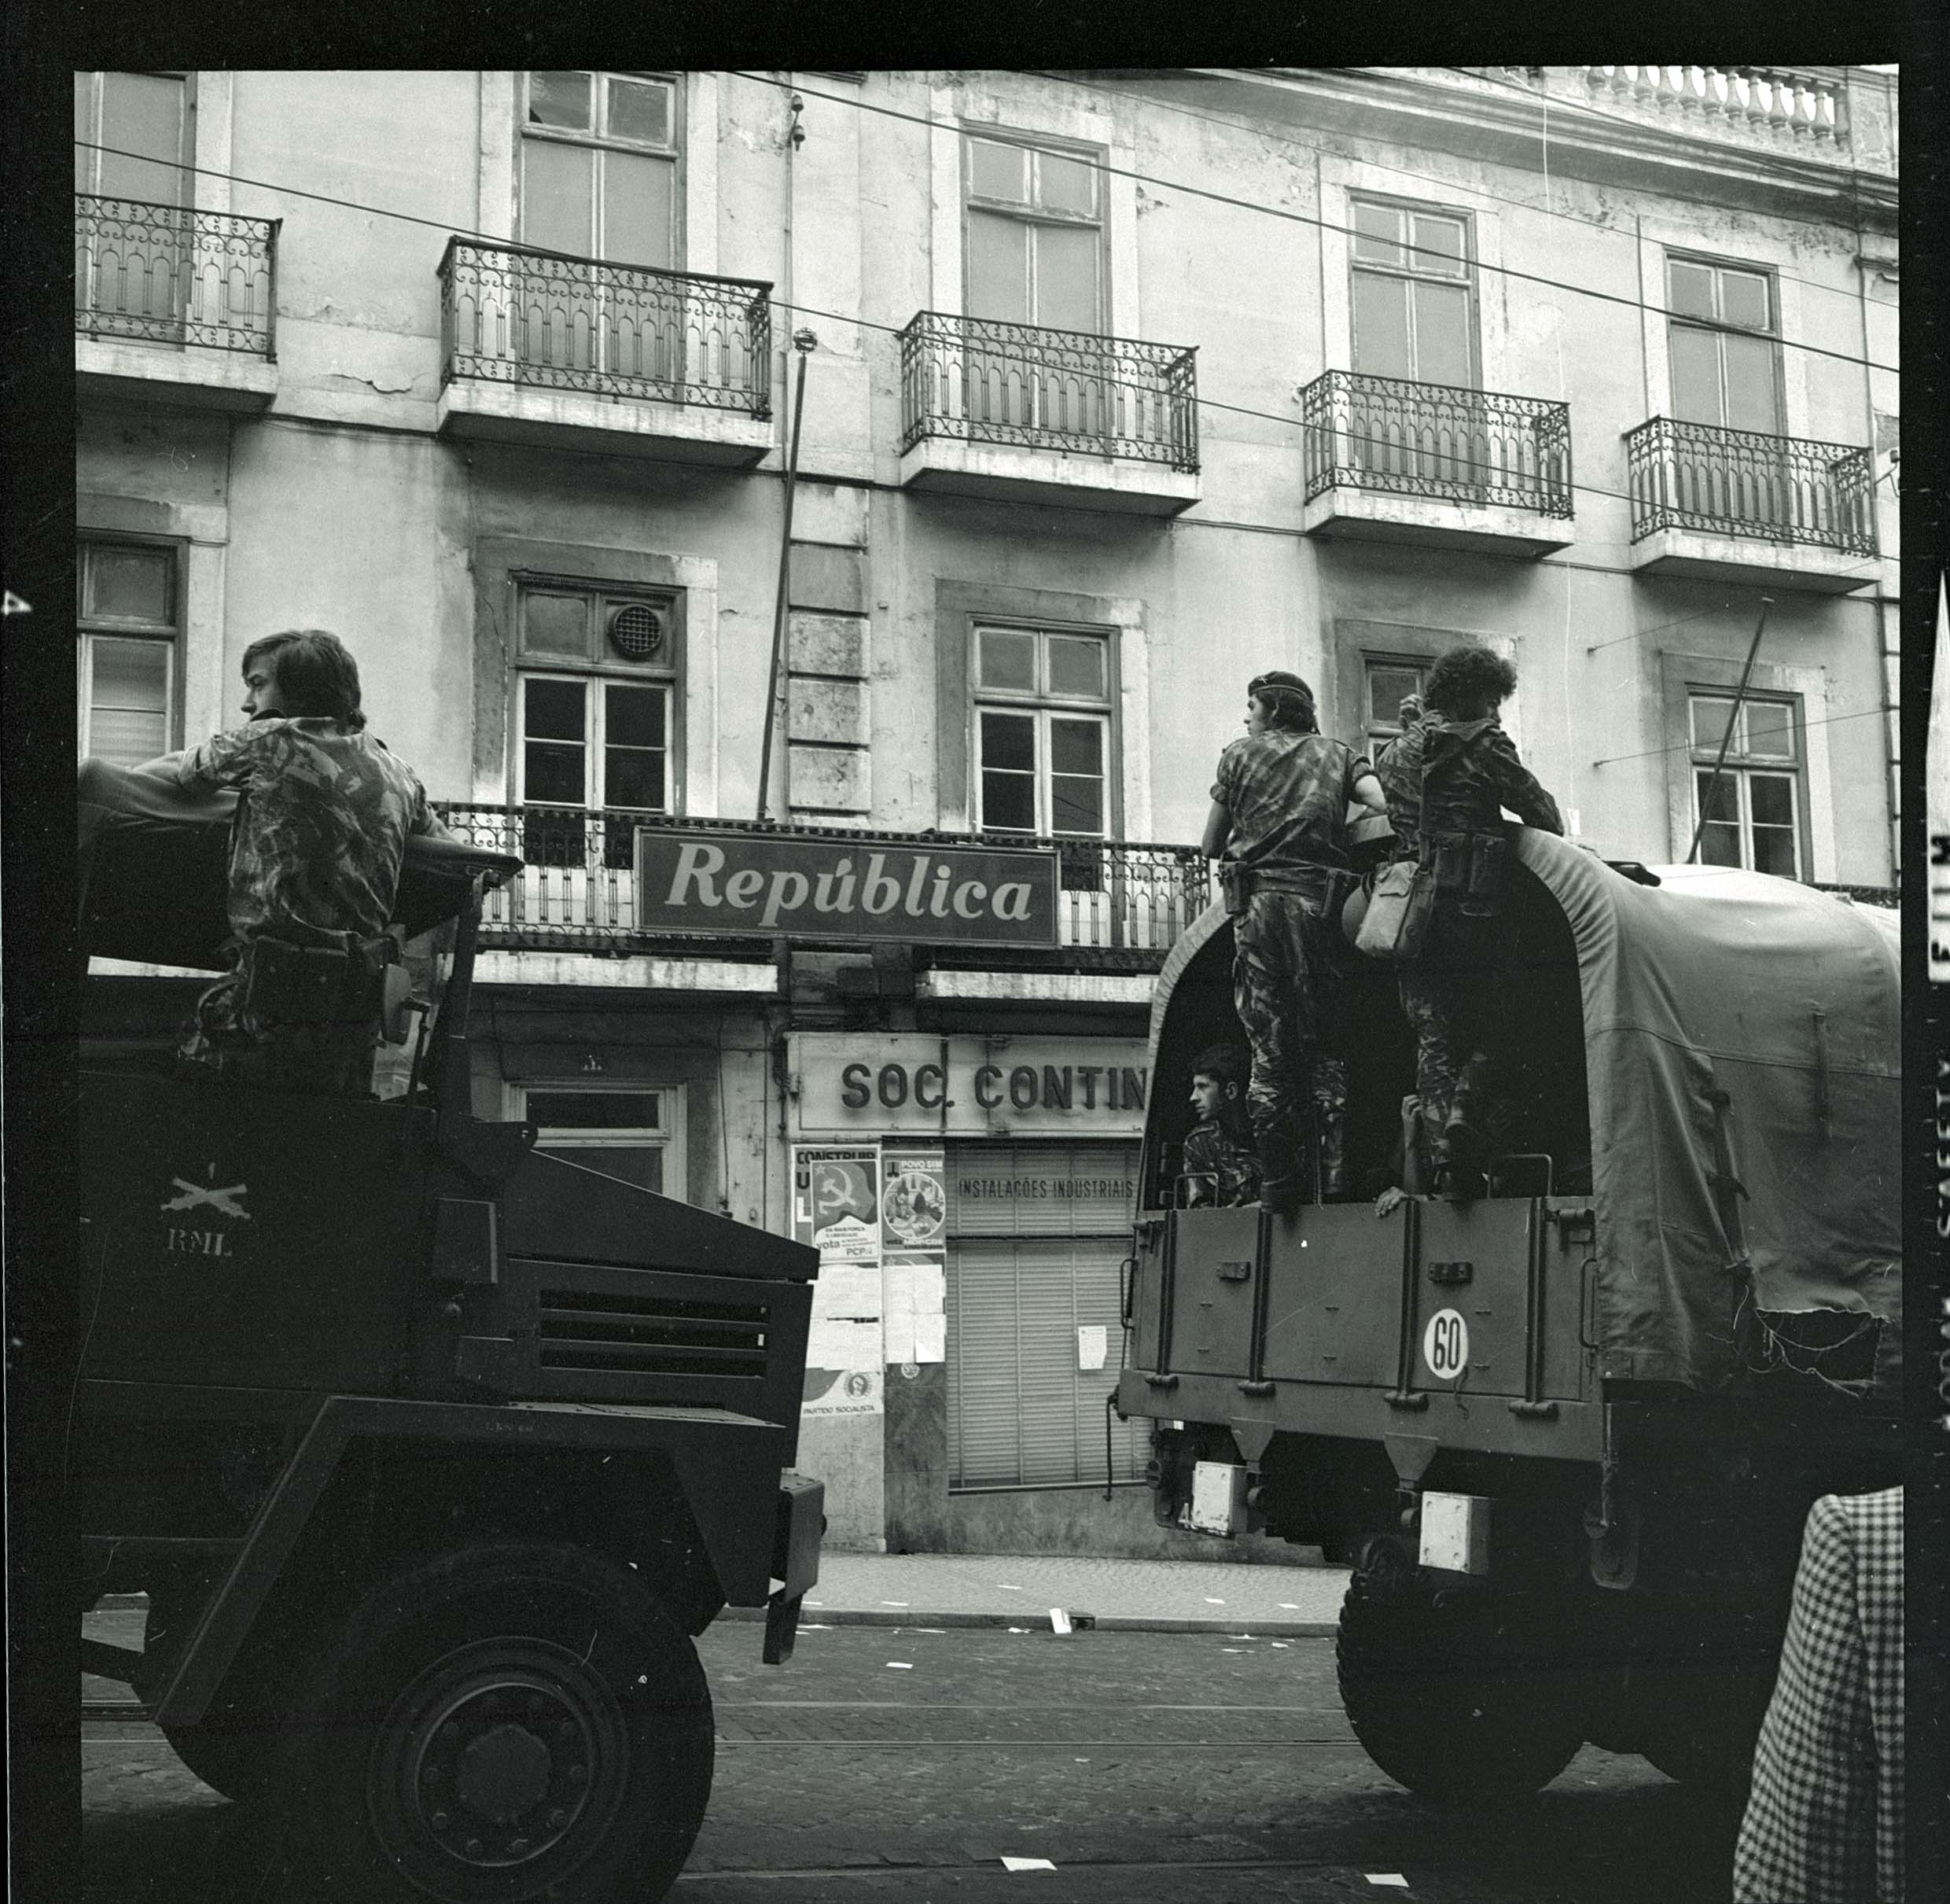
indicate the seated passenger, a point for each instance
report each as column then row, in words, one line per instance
column 1220, row 1165
column 1448, row 778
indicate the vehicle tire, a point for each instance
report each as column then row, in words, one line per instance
column 506, row 1723
column 1701, row 1729
column 1452, row 1701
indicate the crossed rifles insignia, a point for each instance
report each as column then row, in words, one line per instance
column 223, row 1201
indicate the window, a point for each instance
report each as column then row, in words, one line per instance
column 599, row 166
column 131, row 132
column 1034, row 236
column 624, row 1130
column 1753, row 815
column 1386, row 681
column 594, row 709
column 1043, row 732
column 1723, row 338
column 128, row 619
column 1413, row 294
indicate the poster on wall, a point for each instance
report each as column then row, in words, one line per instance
column 836, row 1202
column 836, row 1209
column 914, row 1232
column 915, row 1200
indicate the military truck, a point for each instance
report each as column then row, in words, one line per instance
column 1564, row 1434
column 432, row 1452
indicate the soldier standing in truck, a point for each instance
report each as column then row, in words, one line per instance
column 1279, row 816
column 1219, row 1166
column 1448, row 778
column 324, row 810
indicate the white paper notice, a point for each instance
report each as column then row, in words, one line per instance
column 930, row 1288
column 1027, row 1864
column 930, row 1338
column 847, row 1289
column 1093, row 1346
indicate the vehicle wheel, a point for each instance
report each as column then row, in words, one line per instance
column 1701, row 1729
column 506, row 1723
column 1452, row 1701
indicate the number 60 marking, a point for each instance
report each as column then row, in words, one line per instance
column 1445, row 1344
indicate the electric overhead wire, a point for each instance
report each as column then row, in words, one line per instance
column 1686, row 746
column 454, row 230
column 1241, row 124
column 1004, row 135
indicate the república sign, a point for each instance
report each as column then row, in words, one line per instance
column 826, row 887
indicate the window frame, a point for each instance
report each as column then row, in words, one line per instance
column 1413, row 269
column 670, row 1134
column 601, row 667
column 1379, row 733
column 1030, row 212
column 1719, row 327
column 87, row 627
column 186, row 127
column 1740, row 769
column 1044, row 705
column 601, row 142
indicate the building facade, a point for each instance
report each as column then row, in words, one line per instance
column 1119, row 390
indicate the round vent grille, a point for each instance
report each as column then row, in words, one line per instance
column 636, row 632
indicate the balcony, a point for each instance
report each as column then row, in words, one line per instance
column 1026, row 414
column 1389, row 460
column 1734, row 505
column 174, row 303
column 1121, row 905
column 546, row 350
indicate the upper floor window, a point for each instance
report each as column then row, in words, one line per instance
column 594, row 713
column 1413, row 293
column 1043, row 732
column 1034, row 235
column 1723, row 336
column 131, row 130
column 1754, row 813
column 127, row 658
column 599, row 161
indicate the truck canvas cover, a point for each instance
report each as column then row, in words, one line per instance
column 1743, row 1069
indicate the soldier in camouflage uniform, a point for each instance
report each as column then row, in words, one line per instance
column 1219, row 1165
column 1279, row 815
column 1447, row 778
column 322, row 817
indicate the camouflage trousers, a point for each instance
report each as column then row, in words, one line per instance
column 225, row 1043
column 1284, row 980
column 1446, row 995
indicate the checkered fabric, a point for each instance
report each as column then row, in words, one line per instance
column 1824, row 1821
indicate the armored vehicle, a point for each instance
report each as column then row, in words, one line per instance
column 432, row 1452
column 1565, row 1434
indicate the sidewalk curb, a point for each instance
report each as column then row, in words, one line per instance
column 1106, row 1622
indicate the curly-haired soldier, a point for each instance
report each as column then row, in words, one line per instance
column 1279, row 815
column 1448, row 778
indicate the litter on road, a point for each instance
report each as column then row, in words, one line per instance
column 1059, row 1619
column 1027, row 1864
column 900, row 1665
column 1386, row 1877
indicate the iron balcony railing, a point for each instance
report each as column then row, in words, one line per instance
column 576, row 891
column 1738, row 482
column 1436, row 439
column 173, row 274
column 986, row 381
column 511, row 314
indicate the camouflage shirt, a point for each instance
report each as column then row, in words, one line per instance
column 1287, row 795
column 1222, row 1166
column 323, row 814
column 1472, row 773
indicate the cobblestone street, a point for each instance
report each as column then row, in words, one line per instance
column 901, row 1763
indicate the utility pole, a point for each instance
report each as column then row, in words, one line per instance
column 804, row 342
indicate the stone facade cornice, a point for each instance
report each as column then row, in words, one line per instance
column 1504, row 127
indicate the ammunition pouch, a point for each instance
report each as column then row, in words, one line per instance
column 343, row 983
column 1235, row 885
column 1471, row 870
